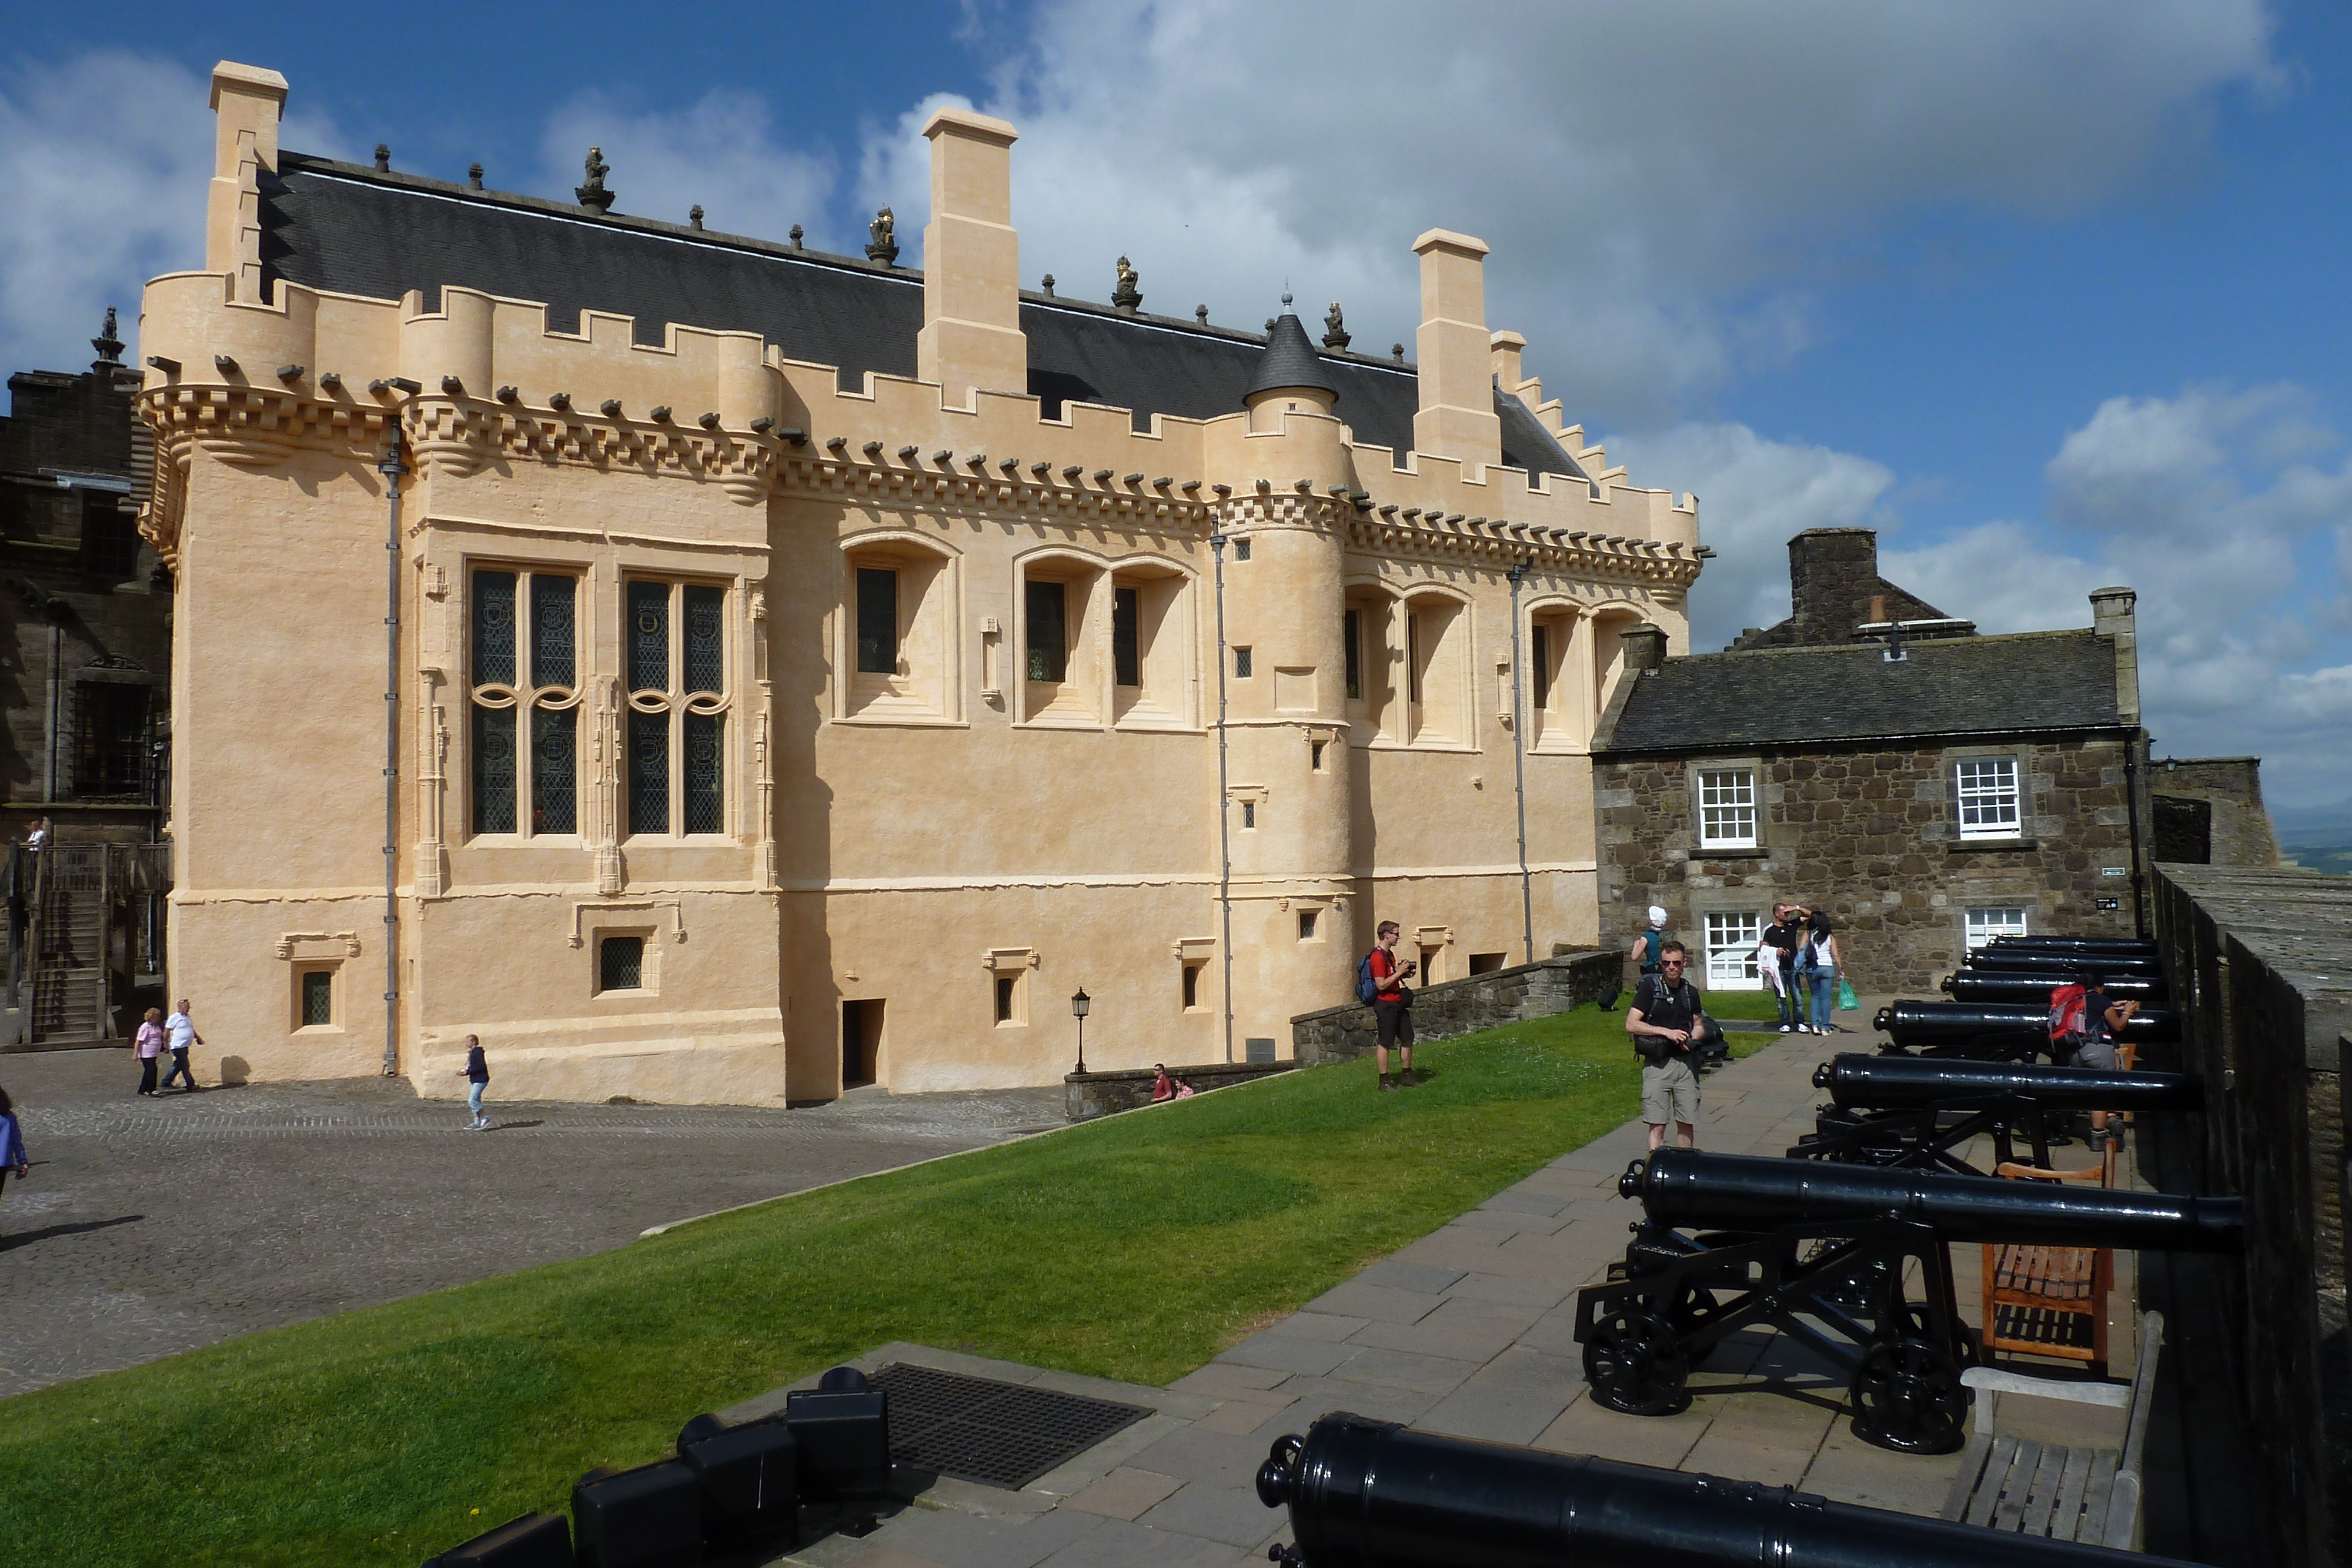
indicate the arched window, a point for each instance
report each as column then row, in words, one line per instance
column 1608, row 629
column 525, row 660
column 1438, row 708
column 1554, row 687
column 899, row 651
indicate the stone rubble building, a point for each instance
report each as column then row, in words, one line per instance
column 808, row 671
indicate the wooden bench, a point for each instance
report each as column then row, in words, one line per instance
column 2082, row 1494
column 2051, row 1301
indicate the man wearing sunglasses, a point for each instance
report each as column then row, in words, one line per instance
column 1666, row 1022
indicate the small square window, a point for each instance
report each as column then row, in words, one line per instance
column 1984, row 924
column 1726, row 809
column 621, row 964
column 1306, row 924
column 318, row 997
column 1241, row 550
column 1988, row 798
column 1241, row 663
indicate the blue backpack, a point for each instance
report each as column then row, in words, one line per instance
column 1367, row 988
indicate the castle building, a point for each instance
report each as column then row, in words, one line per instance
column 806, row 672
column 1926, row 787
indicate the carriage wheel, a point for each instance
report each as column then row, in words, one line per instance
column 1693, row 1304
column 1635, row 1363
column 1907, row 1397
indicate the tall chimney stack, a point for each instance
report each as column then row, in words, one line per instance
column 2112, row 615
column 1457, row 415
column 247, row 103
column 971, row 333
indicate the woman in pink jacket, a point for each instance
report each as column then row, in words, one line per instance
column 149, row 1044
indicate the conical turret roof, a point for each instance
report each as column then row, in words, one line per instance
column 1290, row 361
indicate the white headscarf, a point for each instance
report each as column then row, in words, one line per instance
column 1658, row 915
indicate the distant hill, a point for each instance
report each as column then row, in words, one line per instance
column 2314, row 827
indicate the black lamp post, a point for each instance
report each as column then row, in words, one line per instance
column 1079, row 1005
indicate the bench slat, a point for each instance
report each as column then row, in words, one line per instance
column 1964, row 1485
column 1996, row 1476
column 2036, row 1520
column 2066, row 1523
column 2011, row 1510
column 2097, row 1495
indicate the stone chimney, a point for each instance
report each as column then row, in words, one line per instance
column 2112, row 615
column 1646, row 647
column 1507, row 352
column 1457, row 416
column 971, row 333
column 247, row 103
column 1834, row 583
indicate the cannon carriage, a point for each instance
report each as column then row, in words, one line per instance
column 1906, row 1111
column 1824, row 1252
column 1998, row 1032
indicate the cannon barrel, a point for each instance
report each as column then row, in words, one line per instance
column 1743, row 1192
column 1861, row 1083
column 1372, row 1494
column 2126, row 945
column 2065, row 966
column 1996, row 985
column 1912, row 1023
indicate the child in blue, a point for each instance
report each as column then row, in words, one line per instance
column 478, row 1078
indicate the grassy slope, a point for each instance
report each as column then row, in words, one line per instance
column 1134, row 1248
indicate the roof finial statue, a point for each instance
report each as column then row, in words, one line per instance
column 1049, row 286
column 694, row 215
column 882, row 239
column 109, row 346
column 594, row 194
column 1126, row 296
column 798, row 235
column 1334, row 330
column 474, row 175
column 383, row 158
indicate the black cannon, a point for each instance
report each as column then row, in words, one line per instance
column 1373, row 1494
column 2063, row 967
column 1907, row 1110
column 1821, row 1252
column 2126, row 945
column 2008, row 988
column 1998, row 1030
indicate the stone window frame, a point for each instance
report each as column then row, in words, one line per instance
column 932, row 627
column 2020, row 758
column 1560, row 725
column 1016, row 964
column 1193, row 955
column 2024, row 909
column 681, row 702
column 523, row 695
column 301, row 969
column 1605, row 642
column 649, row 959
column 1693, row 771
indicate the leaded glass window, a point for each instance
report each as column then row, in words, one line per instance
column 553, row 659
column 648, row 636
column 554, row 769
column 648, row 771
column 318, row 997
column 621, row 964
column 706, row 640
column 705, row 786
column 524, row 646
column 1048, row 638
column 494, row 769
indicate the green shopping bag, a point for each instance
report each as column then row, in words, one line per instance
column 1846, row 1001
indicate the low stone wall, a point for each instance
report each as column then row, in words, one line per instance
column 1463, row 1007
column 1093, row 1094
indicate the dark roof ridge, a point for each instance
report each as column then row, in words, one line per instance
column 1923, row 644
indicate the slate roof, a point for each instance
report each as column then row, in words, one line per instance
column 2037, row 682
column 350, row 229
column 1289, row 360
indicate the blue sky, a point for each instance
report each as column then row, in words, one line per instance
column 2053, row 296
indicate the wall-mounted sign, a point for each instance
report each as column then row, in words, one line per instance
column 2111, row 903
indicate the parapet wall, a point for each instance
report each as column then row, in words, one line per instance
column 2261, row 966
column 1500, row 997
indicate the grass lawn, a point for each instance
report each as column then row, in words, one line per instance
column 1134, row 1248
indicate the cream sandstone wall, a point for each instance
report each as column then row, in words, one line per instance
column 909, row 838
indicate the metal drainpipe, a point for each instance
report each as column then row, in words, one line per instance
column 1225, row 804
column 56, row 690
column 2132, row 743
column 392, row 469
column 1519, row 761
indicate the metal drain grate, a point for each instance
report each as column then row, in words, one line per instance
column 998, row 1433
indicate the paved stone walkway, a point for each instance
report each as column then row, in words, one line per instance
column 1468, row 1331
column 150, row 1227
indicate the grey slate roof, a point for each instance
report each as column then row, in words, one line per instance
column 352, row 229
column 1289, row 361
column 2036, row 682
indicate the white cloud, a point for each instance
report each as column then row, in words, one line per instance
column 718, row 153
column 105, row 159
column 1657, row 181
column 1755, row 495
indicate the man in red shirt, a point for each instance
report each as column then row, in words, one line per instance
column 1392, row 1003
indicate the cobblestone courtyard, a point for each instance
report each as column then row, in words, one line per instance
column 150, row 1227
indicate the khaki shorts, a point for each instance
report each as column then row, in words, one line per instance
column 1669, row 1093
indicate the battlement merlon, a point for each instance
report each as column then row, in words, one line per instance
column 248, row 102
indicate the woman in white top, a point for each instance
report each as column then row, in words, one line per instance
column 1817, row 967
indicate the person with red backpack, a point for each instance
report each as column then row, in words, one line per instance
column 2084, row 1022
column 1380, row 980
